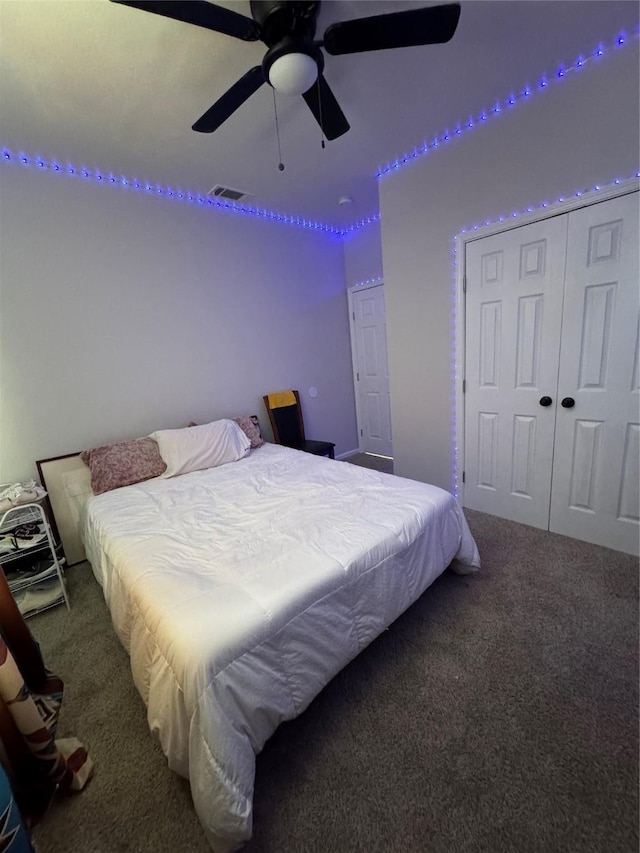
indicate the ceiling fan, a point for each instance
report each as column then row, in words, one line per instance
column 294, row 62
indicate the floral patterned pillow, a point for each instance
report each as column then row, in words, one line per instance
column 250, row 426
column 123, row 464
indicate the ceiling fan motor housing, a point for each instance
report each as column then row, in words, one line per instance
column 279, row 18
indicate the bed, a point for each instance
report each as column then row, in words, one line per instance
column 240, row 590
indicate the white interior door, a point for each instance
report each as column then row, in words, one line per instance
column 514, row 283
column 596, row 473
column 372, row 371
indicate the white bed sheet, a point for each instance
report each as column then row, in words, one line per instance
column 240, row 591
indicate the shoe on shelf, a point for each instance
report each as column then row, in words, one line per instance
column 20, row 539
column 28, row 534
column 32, row 573
column 38, row 597
column 16, row 494
column 7, row 545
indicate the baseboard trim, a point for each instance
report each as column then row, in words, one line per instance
column 348, row 453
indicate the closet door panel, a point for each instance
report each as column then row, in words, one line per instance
column 513, row 317
column 595, row 475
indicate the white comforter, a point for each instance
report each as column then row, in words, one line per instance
column 240, row 591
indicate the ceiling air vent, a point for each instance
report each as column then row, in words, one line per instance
column 228, row 192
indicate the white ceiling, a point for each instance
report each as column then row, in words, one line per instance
column 113, row 88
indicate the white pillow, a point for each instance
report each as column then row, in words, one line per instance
column 197, row 447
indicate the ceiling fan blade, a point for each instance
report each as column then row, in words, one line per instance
column 230, row 101
column 433, row 25
column 202, row 14
column 326, row 110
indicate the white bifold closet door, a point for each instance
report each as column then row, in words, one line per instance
column 552, row 421
column 515, row 284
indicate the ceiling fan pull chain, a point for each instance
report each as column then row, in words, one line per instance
column 320, row 111
column 275, row 109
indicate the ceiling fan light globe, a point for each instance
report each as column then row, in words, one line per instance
column 293, row 73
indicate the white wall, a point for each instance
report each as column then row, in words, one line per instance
column 363, row 254
column 121, row 313
column 580, row 132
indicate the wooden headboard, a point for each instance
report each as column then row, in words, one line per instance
column 63, row 519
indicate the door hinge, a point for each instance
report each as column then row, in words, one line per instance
column 464, row 474
column 464, row 386
column 361, row 433
column 358, row 376
column 464, row 284
column 353, row 314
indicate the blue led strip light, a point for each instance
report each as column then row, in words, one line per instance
column 500, row 107
column 269, row 215
column 185, row 196
column 368, row 281
column 578, row 194
column 350, row 229
column 455, row 366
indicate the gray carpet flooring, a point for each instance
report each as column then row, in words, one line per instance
column 499, row 713
column 370, row 460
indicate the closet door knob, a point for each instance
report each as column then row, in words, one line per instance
column 545, row 401
column 568, row 403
